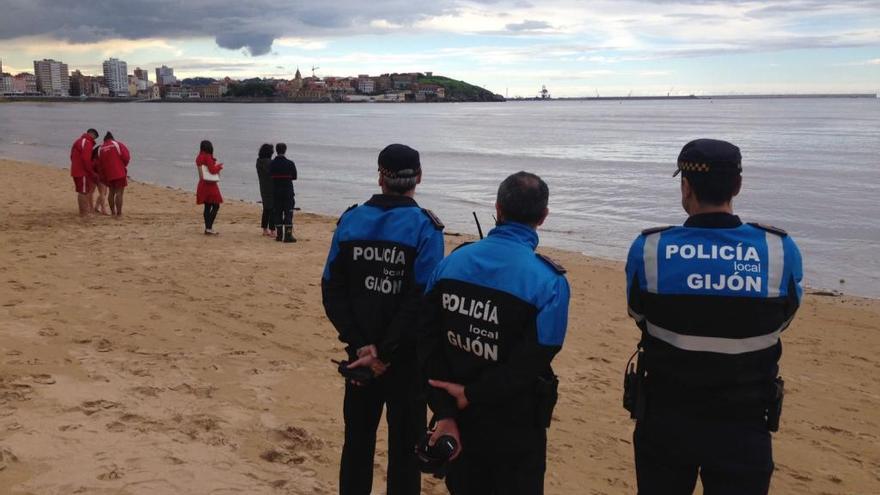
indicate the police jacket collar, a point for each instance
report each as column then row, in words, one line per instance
column 390, row 201
column 718, row 220
column 517, row 232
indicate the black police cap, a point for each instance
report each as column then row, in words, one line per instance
column 709, row 156
column 399, row 161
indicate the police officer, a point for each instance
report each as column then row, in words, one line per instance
column 711, row 298
column 495, row 316
column 380, row 259
column 283, row 173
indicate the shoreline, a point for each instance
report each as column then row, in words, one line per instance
column 138, row 356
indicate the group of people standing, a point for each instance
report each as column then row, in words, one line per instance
column 473, row 336
column 103, row 167
column 276, row 176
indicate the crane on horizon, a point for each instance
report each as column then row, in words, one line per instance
column 314, row 69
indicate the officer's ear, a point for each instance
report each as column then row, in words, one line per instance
column 543, row 217
column 381, row 180
column 419, row 178
column 739, row 183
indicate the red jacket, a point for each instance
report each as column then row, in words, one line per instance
column 209, row 161
column 81, row 156
column 113, row 158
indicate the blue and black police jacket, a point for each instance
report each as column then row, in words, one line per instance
column 381, row 256
column 495, row 316
column 711, row 298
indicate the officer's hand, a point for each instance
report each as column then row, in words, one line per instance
column 379, row 367
column 453, row 389
column 367, row 349
column 449, row 427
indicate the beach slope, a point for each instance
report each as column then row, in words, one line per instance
column 139, row 356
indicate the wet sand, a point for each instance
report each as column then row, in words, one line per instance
column 138, row 356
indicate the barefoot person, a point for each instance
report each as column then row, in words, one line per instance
column 113, row 157
column 264, row 162
column 101, row 201
column 208, row 190
column 82, row 171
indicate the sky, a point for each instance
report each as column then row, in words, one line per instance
column 511, row 47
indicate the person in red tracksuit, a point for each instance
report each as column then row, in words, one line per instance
column 113, row 158
column 84, row 176
column 208, row 191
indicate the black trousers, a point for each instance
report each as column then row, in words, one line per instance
column 731, row 457
column 398, row 390
column 284, row 201
column 210, row 214
column 268, row 219
column 491, row 464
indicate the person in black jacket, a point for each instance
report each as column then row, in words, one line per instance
column 381, row 256
column 711, row 299
column 264, row 161
column 495, row 315
column 283, row 173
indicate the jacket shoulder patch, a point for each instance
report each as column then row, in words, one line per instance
column 654, row 230
column 434, row 219
column 769, row 228
column 346, row 211
column 553, row 264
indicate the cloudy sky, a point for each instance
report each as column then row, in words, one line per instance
column 613, row 47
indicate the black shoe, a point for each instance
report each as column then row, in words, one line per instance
column 288, row 234
column 279, row 234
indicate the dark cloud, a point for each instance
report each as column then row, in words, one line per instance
column 253, row 25
column 528, row 25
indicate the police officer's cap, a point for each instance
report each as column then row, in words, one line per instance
column 399, row 161
column 709, row 156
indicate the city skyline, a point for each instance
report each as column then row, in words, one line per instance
column 509, row 47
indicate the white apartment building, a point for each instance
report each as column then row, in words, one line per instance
column 116, row 77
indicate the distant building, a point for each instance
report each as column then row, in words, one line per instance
column 116, row 77
column 430, row 92
column 165, row 76
column 80, row 85
column 5, row 83
column 24, row 84
column 365, row 84
column 52, row 77
column 156, row 92
column 143, row 79
column 212, row 91
column 383, row 83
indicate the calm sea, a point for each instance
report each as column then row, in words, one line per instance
column 811, row 166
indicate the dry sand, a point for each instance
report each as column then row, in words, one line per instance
column 138, row 356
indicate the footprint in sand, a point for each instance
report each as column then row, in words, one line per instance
column 6, row 458
column 110, row 473
column 103, row 345
column 48, row 332
column 90, row 407
column 43, row 379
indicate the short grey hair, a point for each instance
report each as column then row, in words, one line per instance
column 401, row 185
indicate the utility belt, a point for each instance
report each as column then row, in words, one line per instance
column 635, row 394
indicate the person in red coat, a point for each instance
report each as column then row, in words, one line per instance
column 113, row 158
column 82, row 171
column 208, row 190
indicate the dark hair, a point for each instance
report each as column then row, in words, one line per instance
column 92, row 132
column 715, row 188
column 109, row 135
column 206, row 147
column 265, row 151
column 523, row 197
column 281, row 148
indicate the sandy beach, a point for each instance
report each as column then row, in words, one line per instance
column 138, row 356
